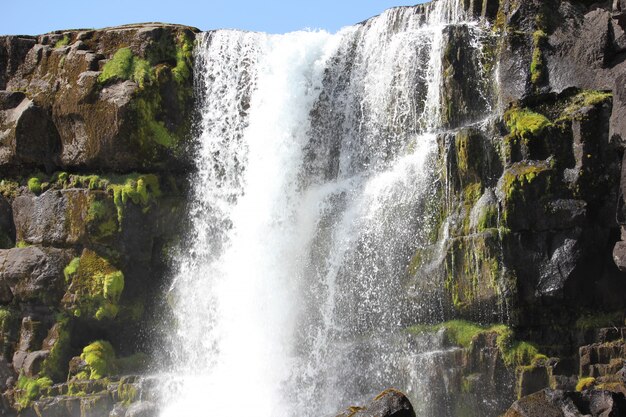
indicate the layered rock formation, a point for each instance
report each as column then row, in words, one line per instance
column 530, row 227
column 94, row 155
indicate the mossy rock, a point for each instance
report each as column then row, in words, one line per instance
column 95, row 287
column 524, row 188
column 474, row 275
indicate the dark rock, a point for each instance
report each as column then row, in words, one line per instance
column 462, row 78
column 65, row 406
column 55, row 218
column 548, row 403
column 28, row 136
column 33, row 273
column 7, row 229
column 6, row 373
column 532, row 379
column 389, row 403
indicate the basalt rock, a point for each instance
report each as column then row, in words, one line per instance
column 389, row 403
column 74, row 112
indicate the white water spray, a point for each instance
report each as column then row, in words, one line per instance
column 314, row 166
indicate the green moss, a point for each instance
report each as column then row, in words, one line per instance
column 125, row 66
column 55, row 366
column 138, row 189
column 9, row 329
column 488, row 218
column 63, row 42
column 100, row 358
column 184, row 54
column 60, row 178
column 95, row 289
column 584, row 99
column 9, row 189
column 102, row 219
column 514, row 352
column 525, row 123
column 70, row 270
column 591, row 321
column 34, row 185
column 415, row 263
column 127, row 393
column 134, row 363
column 585, row 383
column 463, row 333
column 525, row 181
column 149, row 129
column 29, row 389
column 537, row 65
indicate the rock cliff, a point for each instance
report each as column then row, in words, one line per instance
column 95, row 151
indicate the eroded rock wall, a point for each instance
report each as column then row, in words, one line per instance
column 95, row 150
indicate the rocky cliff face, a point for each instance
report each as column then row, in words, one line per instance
column 530, row 225
column 94, row 157
column 96, row 153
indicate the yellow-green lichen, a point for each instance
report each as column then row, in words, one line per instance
column 126, row 66
column 100, row 359
column 537, row 65
column 463, row 333
column 34, row 185
column 585, row 383
column 64, row 41
column 525, row 123
column 70, row 270
column 29, row 389
column 184, row 53
column 95, row 289
column 584, row 99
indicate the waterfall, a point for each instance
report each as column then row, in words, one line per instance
column 315, row 162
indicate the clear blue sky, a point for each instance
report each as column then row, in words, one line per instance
column 274, row 16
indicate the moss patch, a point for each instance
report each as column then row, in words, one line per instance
column 95, row 288
column 55, row 366
column 537, row 65
column 29, row 389
column 525, row 123
column 463, row 333
column 34, row 185
column 126, row 66
column 584, row 99
column 591, row 321
column 585, row 383
column 63, row 41
column 100, row 359
column 184, row 54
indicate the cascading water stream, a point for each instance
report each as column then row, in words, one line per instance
column 315, row 164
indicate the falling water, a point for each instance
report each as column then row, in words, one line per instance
column 315, row 163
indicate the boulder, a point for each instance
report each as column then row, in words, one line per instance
column 33, row 274
column 55, row 218
column 556, row 403
column 27, row 134
column 389, row 403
